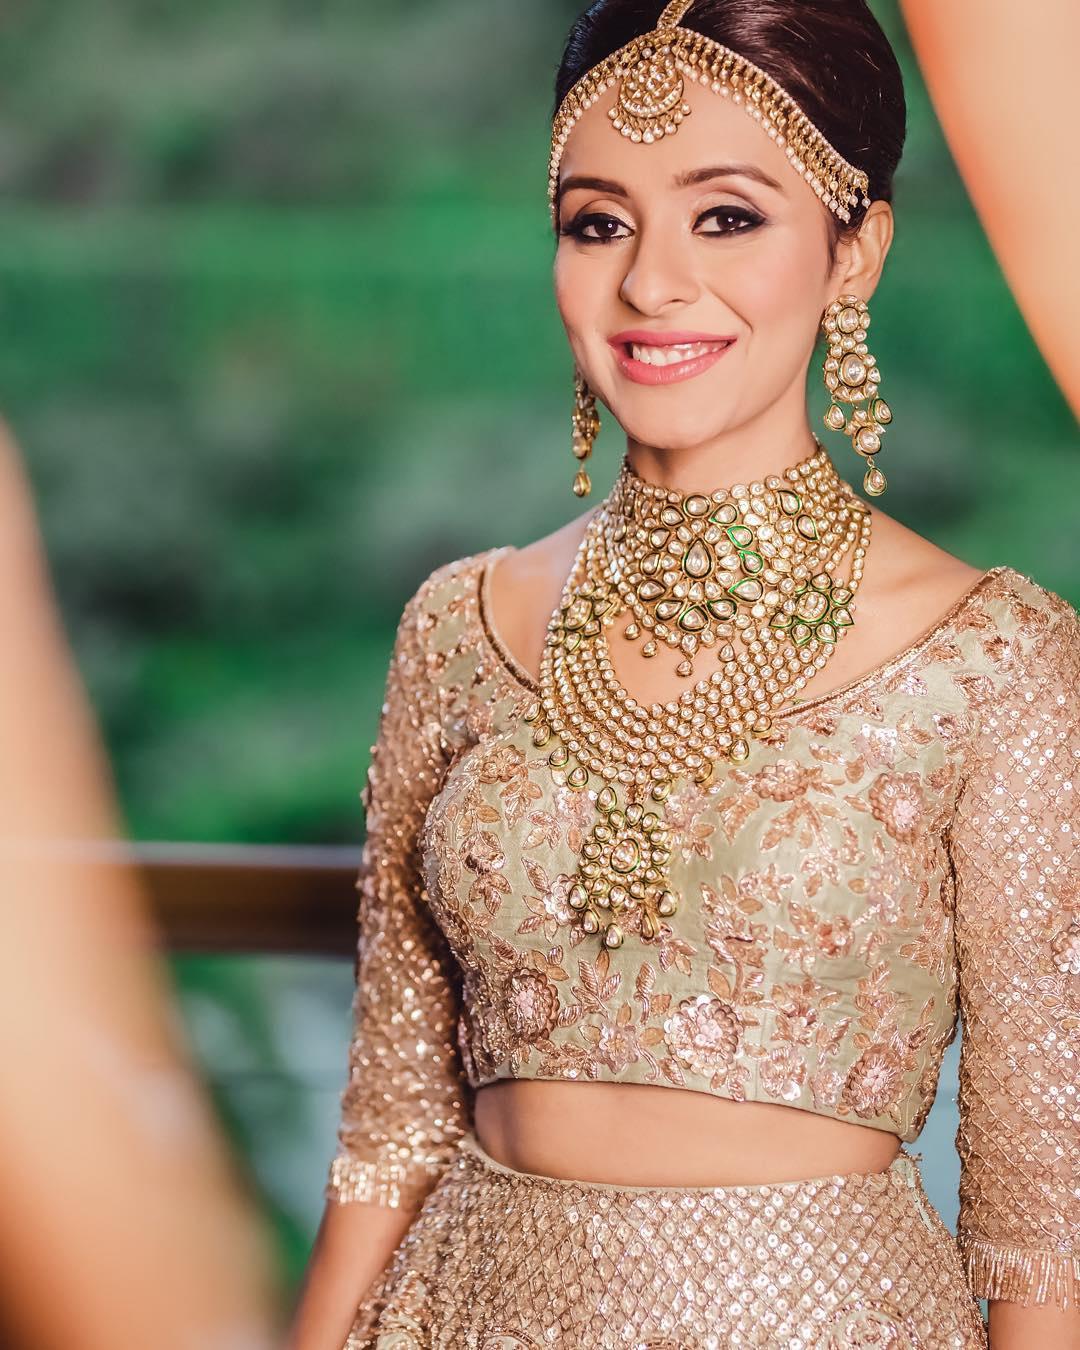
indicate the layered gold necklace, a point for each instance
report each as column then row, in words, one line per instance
column 751, row 570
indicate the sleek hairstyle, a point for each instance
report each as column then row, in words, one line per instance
column 830, row 55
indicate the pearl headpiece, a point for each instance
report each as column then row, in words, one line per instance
column 653, row 69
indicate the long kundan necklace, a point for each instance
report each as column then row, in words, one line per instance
column 751, row 570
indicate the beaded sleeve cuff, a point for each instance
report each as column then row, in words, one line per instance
column 386, row 1182
column 1020, row 1274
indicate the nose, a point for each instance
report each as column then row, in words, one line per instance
column 660, row 273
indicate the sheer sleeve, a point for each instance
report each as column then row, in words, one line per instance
column 1018, row 946
column 403, row 1105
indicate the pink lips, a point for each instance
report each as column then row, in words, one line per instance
column 642, row 373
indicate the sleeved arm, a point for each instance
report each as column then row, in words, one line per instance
column 403, row 1105
column 1018, row 946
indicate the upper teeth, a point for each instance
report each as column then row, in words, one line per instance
column 673, row 354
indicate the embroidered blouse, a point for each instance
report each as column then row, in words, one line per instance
column 902, row 852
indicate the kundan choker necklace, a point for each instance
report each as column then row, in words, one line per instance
column 751, row 570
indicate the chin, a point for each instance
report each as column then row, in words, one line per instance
column 676, row 430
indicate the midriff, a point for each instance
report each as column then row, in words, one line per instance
column 634, row 1134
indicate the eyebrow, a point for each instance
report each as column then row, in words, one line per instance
column 680, row 180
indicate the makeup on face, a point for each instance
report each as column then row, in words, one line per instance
column 659, row 356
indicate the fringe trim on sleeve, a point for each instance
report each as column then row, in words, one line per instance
column 392, row 1184
column 1021, row 1274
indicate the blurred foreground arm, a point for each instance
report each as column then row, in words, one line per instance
column 123, row 1225
column 1002, row 77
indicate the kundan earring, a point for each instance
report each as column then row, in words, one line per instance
column 852, row 376
column 586, row 424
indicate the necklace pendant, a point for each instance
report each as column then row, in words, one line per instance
column 820, row 608
column 621, row 884
column 752, row 570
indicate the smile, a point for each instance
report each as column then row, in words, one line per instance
column 663, row 358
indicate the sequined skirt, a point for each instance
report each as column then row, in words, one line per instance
column 505, row 1260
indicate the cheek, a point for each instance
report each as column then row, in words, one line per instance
column 577, row 288
column 780, row 284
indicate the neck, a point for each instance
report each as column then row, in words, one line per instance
column 768, row 445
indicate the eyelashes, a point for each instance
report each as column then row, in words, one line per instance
column 735, row 220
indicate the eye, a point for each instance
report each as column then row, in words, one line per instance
column 604, row 224
column 732, row 219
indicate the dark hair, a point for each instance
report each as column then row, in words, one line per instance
column 830, row 55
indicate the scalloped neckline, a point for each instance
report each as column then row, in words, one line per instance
column 517, row 672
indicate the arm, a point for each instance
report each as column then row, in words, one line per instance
column 403, row 1107
column 970, row 51
column 1017, row 869
column 124, row 1220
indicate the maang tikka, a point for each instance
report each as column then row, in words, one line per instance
column 652, row 71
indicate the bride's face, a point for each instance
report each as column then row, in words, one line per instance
column 708, row 233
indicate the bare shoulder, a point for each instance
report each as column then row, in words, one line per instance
column 538, row 570
column 525, row 584
column 909, row 585
column 907, row 575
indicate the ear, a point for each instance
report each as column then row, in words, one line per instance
column 859, row 261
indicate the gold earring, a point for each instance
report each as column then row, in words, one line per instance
column 586, row 424
column 852, row 376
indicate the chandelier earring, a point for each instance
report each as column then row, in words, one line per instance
column 852, row 377
column 586, row 425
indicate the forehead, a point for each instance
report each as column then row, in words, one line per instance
column 715, row 131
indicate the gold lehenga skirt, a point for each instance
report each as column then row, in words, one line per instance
column 505, row 1260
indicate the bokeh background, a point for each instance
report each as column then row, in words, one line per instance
column 278, row 338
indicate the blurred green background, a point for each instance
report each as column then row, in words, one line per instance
column 278, row 338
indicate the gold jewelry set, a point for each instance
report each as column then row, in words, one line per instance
column 764, row 573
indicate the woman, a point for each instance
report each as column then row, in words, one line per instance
column 732, row 787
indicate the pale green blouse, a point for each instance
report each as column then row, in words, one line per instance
column 899, row 850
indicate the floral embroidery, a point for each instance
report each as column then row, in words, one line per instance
column 532, row 1005
column 1066, row 949
column 483, row 856
column 876, row 747
column 502, row 764
column 615, row 1045
column 896, row 799
column 550, row 908
column 690, row 817
column 797, row 1011
column 868, row 1328
column 704, row 1036
column 785, row 780
column 833, row 935
column 826, row 1086
column 506, row 765
column 874, row 1081
column 782, row 1073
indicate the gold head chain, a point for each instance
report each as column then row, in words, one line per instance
column 653, row 69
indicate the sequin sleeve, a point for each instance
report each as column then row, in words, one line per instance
column 1018, row 948
column 403, row 1105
